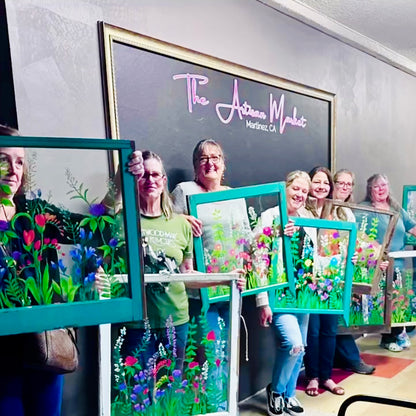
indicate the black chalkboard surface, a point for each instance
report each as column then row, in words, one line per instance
column 167, row 98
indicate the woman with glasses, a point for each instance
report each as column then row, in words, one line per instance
column 209, row 167
column 347, row 354
column 167, row 245
column 379, row 196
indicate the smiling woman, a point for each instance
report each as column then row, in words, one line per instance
column 379, row 196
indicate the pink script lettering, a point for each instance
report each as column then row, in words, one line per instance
column 244, row 110
column 277, row 113
column 192, row 82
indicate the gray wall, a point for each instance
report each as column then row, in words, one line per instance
column 54, row 49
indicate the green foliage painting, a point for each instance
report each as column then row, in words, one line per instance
column 234, row 237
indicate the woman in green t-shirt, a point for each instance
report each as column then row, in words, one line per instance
column 167, row 245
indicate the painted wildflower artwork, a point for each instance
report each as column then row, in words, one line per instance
column 409, row 205
column 157, row 385
column 321, row 251
column 50, row 256
column 374, row 230
column 233, row 237
column 402, row 306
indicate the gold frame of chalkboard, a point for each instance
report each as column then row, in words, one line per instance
column 110, row 33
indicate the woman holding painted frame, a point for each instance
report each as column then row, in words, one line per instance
column 290, row 329
column 322, row 331
column 26, row 388
column 209, row 167
column 378, row 195
column 167, row 245
column 347, row 354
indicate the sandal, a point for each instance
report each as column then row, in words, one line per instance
column 312, row 387
column 391, row 346
column 332, row 387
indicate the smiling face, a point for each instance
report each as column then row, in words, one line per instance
column 343, row 186
column 380, row 190
column 296, row 194
column 320, row 186
column 153, row 181
column 210, row 166
column 12, row 161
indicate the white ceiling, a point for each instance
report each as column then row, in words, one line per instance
column 389, row 22
column 383, row 28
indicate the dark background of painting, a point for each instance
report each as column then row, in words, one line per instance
column 153, row 111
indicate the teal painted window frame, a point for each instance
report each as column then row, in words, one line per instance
column 276, row 188
column 85, row 313
column 331, row 225
column 410, row 239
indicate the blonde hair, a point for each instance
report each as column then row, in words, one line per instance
column 348, row 172
column 295, row 174
column 165, row 199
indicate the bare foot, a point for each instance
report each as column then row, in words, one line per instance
column 331, row 386
column 312, row 387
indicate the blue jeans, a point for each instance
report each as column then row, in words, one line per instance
column 31, row 393
column 290, row 331
column 134, row 339
column 319, row 357
column 346, row 351
column 215, row 311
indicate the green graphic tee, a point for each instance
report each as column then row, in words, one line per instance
column 170, row 240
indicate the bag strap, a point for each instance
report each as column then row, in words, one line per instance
column 73, row 335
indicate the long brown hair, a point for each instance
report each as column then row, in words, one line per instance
column 310, row 206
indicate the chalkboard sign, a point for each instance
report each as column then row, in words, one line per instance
column 167, row 98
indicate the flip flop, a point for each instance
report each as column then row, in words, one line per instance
column 312, row 388
column 338, row 390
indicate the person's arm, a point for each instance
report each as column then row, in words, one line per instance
column 180, row 206
column 265, row 312
column 135, row 166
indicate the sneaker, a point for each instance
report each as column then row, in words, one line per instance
column 403, row 340
column 391, row 346
column 293, row 406
column 362, row 368
column 275, row 403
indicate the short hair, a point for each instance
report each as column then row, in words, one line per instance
column 165, row 200
column 200, row 147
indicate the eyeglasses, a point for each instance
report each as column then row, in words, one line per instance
column 156, row 176
column 344, row 184
column 380, row 186
column 214, row 159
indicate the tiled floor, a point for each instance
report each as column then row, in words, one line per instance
column 394, row 378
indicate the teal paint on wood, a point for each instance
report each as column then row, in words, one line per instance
column 277, row 191
column 92, row 312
